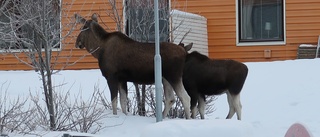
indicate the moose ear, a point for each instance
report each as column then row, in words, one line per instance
column 188, row 47
column 95, row 17
column 79, row 19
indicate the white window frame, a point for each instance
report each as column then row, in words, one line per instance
column 262, row 43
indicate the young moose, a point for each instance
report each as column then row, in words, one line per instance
column 122, row 59
column 203, row 76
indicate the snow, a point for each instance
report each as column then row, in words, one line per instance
column 307, row 45
column 187, row 14
column 275, row 96
column 192, row 128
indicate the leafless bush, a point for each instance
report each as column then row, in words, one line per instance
column 146, row 105
column 72, row 114
column 210, row 108
column 15, row 115
column 88, row 114
column 177, row 110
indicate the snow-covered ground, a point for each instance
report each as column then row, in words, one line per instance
column 275, row 96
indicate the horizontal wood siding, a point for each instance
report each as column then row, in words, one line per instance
column 302, row 26
column 80, row 58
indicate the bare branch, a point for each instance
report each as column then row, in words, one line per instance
column 184, row 36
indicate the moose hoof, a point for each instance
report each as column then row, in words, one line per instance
column 115, row 112
column 188, row 117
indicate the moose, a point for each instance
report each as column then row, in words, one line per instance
column 204, row 76
column 122, row 59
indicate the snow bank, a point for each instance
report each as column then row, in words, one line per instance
column 198, row 128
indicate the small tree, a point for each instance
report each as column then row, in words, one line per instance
column 30, row 30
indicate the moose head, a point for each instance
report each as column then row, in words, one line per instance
column 84, row 31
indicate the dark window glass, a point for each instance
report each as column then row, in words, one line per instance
column 261, row 20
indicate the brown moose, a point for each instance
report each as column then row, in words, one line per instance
column 122, row 59
column 203, row 76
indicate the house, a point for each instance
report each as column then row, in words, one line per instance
column 244, row 30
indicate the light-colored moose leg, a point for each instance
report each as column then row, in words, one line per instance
column 234, row 105
column 237, row 105
column 194, row 112
column 123, row 97
column 231, row 105
column 194, row 108
column 183, row 96
column 113, row 87
column 114, row 105
column 201, row 106
column 169, row 97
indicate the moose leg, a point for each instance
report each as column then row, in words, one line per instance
column 123, row 96
column 194, row 110
column 113, row 87
column 138, row 96
column 231, row 105
column 237, row 105
column 201, row 106
column 183, row 96
column 169, row 97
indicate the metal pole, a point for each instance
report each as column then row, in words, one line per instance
column 317, row 52
column 157, row 65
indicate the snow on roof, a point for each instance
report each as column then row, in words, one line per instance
column 307, row 45
column 178, row 12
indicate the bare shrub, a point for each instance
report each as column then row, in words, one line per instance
column 15, row 115
column 72, row 113
column 210, row 107
column 31, row 31
column 143, row 105
column 177, row 110
column 88, row 114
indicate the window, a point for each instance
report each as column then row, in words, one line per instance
column 139, row 18
column 22, row 27
column 260, row 22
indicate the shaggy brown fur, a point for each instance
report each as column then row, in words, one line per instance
column 203, row 76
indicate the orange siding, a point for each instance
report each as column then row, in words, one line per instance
column 69, row 56
column 86, row 8
column 302, row 26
